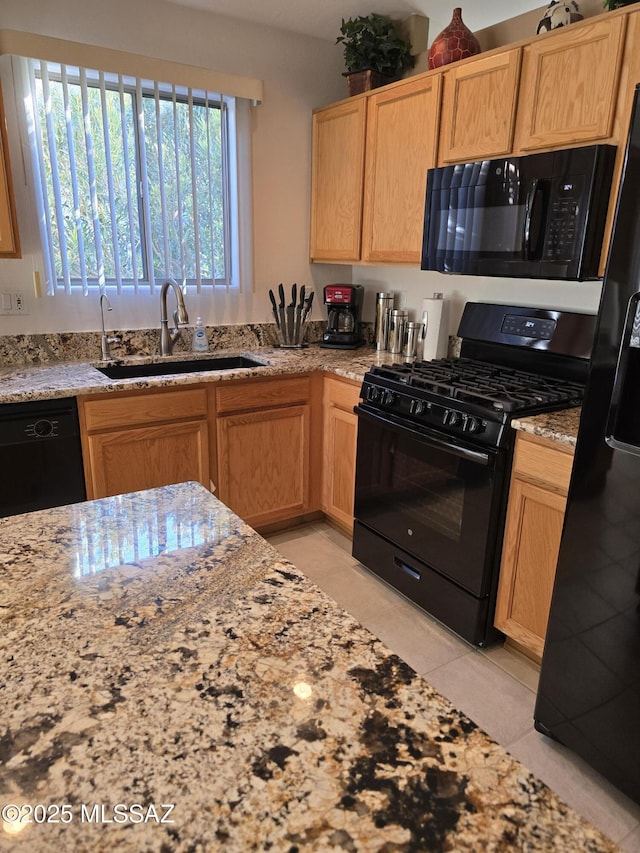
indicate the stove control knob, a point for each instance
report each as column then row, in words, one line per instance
column 451, row 418
column 387, row 397
column 416, row 407
column 471, row 424
column 373, row 393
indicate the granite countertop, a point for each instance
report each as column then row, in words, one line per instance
column 19, row 383
column 557, row 426
column 156, row 651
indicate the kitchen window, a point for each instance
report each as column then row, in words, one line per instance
column 136, row 181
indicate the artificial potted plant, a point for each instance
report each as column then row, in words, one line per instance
column 374, row 52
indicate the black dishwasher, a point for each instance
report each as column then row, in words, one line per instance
column 40, row 455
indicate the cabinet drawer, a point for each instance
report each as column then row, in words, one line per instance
column 262, row 394
column 543, row 461
column 143, row 408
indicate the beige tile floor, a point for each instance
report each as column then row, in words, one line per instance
column 495, row 687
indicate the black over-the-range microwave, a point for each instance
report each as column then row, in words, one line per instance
column 535, row 216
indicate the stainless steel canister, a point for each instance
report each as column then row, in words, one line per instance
column 384, row 304
column 413, row 338
column 397, row 322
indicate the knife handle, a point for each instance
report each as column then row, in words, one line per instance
column 275, row 307
column 307, row 308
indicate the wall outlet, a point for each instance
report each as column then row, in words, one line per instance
column 13, row 303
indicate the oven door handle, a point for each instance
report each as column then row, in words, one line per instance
column 477, row 456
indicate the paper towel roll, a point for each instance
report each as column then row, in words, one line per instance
column 435, row 316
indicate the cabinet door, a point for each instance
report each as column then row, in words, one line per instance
column 263, row 467
column 402, row 133
column 569, row 85
column 479, row 108
column 339, row 451
column 540, row 478
column 9, row 244
column 530, row 555
column 336, row 181
column 127, row 460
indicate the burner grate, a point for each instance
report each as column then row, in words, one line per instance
column 488, row 385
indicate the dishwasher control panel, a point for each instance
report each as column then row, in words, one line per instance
column 43, row 428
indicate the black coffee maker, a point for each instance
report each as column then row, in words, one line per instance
column 344, row 309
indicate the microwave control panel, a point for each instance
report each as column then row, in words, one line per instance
column 564, row 219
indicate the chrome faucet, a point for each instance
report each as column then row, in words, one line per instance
column 168, row 337
column 105, row 341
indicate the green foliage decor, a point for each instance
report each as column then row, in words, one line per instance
column 616, row 4
column 372, row 42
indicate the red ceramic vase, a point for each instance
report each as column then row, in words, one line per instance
column 456, row 41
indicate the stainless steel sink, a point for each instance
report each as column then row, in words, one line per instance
column 163, row 368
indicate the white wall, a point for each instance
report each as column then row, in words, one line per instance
column 458, row 289
column 299, row 74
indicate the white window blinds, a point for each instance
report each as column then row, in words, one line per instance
column 135, row 180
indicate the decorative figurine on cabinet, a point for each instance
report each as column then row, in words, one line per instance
column 559, row 15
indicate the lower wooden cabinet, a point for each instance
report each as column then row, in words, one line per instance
column 141, row 440
column 267, row 436
column 275, row 450
column 339, row 450
column 537, row 498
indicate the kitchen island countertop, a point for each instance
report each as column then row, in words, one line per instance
column 157, row 651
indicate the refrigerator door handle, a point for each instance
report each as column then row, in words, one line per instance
column 623, row 419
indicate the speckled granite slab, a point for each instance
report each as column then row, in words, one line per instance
column 159, row 661
column 85, row 346
column 38, row 382
column 557, row 426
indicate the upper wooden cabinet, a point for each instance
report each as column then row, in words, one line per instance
column 569, row 85
column 336, row 181
column 9, row 242
column 402, row 139
column 479, row 108
column 374, row 213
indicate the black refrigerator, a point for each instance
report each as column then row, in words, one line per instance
column 589, row 691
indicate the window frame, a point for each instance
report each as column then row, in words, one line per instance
column 236, row 224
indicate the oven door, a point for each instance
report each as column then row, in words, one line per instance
column 435, row 497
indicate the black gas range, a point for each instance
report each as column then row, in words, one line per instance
column 463, row 397
column 434, row 454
